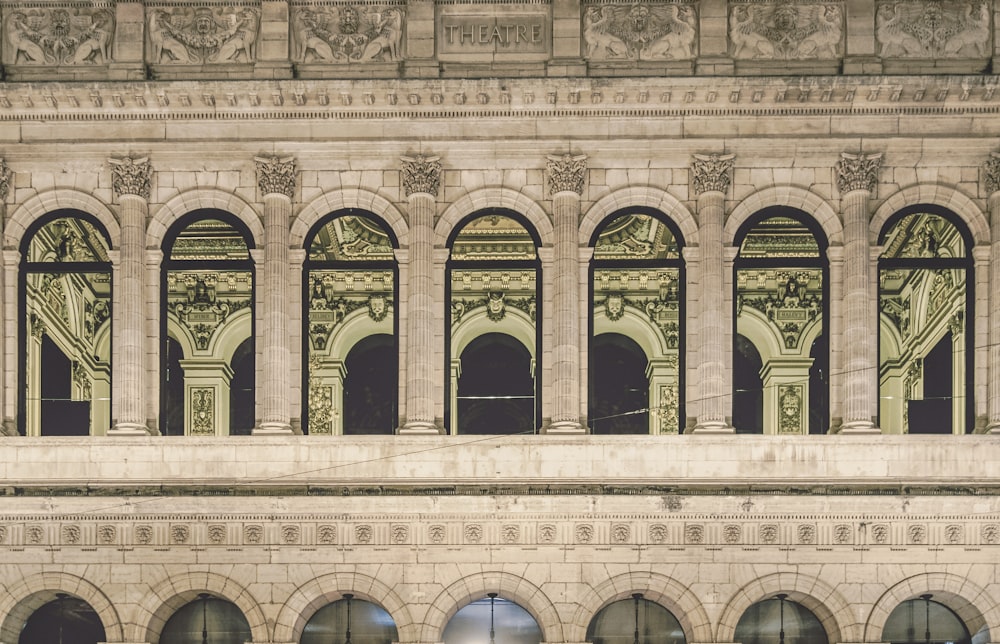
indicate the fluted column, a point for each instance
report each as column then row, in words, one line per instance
column 421, row 179
column 711, row 176
column 130, row 179
column 857, row 176
column 8, row 426
column 566, row 177
column 991, row 172
column 276, row 181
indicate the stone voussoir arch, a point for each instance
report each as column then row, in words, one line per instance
column 977, row 608
column 358, row 198
column 661, row 589
column 165, row 598
column 828, row 605
column 313, row 595
column 792, row 197
column 486, row 198
column 31, row 593
column 507, row 586
column 59, row 199
column 166, row 214
column 938, row 195
column 644, row 196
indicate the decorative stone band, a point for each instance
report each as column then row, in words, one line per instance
column 711, row 172
column 5, row 176
column 566, row 173
column 421, row 174
column 276, row 175
column 991, row 173
column 131, row 176
column 857, row 171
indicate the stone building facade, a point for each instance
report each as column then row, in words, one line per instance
column 220, row 218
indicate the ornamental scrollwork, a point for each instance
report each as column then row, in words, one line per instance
column 6, row 175
column 131, row 176
column 276, row 175
column 496, row 303
column 711, row 172
column 59, row 36
column 199, row 35
column 790, row 409
column 857, row 172
column 786, row 31
column 991, row 173
column 791, row 306
column 933, row 29
column 566, row 173
column 421, row 174
column 629, row 32
column 203, row 411
column 344, row 34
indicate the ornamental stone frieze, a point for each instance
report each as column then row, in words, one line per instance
column 199, row 35
column 711, row 172
column 933, row 29
column 645, row 31
column 991, row 173
column 65, row 35
column 276, row 175
column 785, row 30
column 566, row 173
column 130, row 176
column 421, row 174
column 347, row 33
column 857, row 172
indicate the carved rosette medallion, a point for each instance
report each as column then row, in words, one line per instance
column 59, row 36
column 198, row 35
column 131, row 176
column 991, row 173
column 646, row 31
column 933, row 29
column 657, row 533
column 806, row 533
column 566, row 173
column 694, row 534
column 711, row 172
column 857, row 172
column 326, row 535
column 786, row 31
column 546, row 533
column 276, row 175
column 290, row 534
column 421, row 174
column 346, row 34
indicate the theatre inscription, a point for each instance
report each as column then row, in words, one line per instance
column 499, row 36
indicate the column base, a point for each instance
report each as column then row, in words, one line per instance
column 860, row 428
column 420, row 428
column 273, row 429
column 712, row 427
column 564, row 427
column 993, row 429
column 8, row 427
column 129, row 429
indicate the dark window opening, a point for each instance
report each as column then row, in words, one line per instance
column 621, row 387
column 496, row 389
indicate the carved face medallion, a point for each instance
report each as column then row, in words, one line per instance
column 614, row 306
column 377, row 308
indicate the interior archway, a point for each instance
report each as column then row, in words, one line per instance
column 496, row 387
column 621, row 386
column 66, row 620
column 369, row 394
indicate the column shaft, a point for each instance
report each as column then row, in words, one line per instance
column 993, row 395
column 565, row 316
column 276, row 370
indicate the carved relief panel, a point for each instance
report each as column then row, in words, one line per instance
column 933, row 29
column 345, row 34
column 641, row 31
column 202, row 35
column 786, row 30
column 66, row 34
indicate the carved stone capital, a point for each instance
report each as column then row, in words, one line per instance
column 857, row 172
column 5, row 179
column 131, row 176
column 566, row 173
column 421, row 174
column 711, row 172
column 276, row 175
column 991, row 173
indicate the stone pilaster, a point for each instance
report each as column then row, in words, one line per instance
column 710, row 179
column 857, row 176
column 566, row 179
column 421, row 179
column 276, row 181
column 130, row 179
column 991, row 173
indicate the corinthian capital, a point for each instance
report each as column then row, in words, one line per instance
column 421, row 174
column 857, row 172
column 991, row 173
column 566, row 173
column 131, row 176
column 5, row 176
column 711, row 172
column 276, row 175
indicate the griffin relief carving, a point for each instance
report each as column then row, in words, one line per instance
column 925, row 29
column 345, row 34
column 60, row 36
column 786, row 31
column 639, row 32
column 200, row 35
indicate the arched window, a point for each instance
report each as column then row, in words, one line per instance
column 637, row 325
column 492, row 291
column 925, row 337
column 221, row 620
column 65, row 327
column 207, row 327
column 618, row 623
column 66, row 619
column 368, row 623
column 782, row 308
column 510, row 623
column 922, row 621
column 351, row 375
column 763, row 623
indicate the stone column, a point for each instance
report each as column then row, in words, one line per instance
column 8, row 426
column 421, row 178
column 566, row 176
column 276, row 180
column 130, row 179
column 710, row 177
column 991, row 174
column 857, row 176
